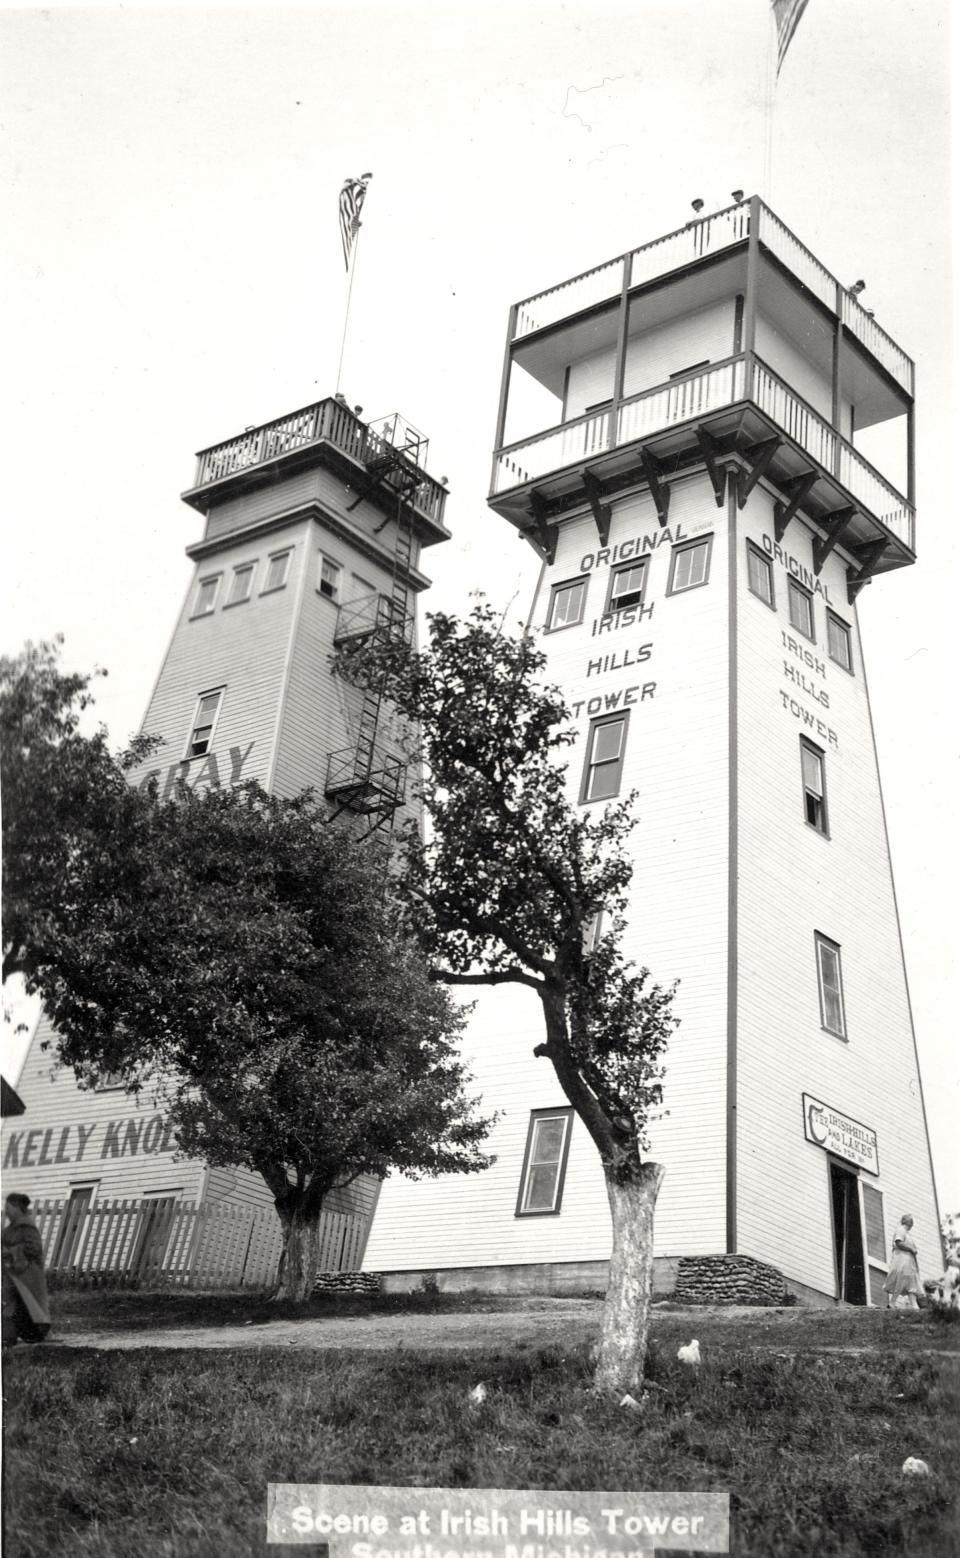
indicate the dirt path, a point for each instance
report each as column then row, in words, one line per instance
column 533, row 1323
column 577, row 1321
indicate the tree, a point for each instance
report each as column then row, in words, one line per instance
column 509, row 885
column 250, row 965
column 62, row 791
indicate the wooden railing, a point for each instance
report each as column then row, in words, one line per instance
column 166, row 1243
column 696, row 395
column 706, row 236
column 809, row 429
column 681, row 399
column 710, row 235
column 548, row 308
column 328, row 421
column 877, row 342
column 797, row 258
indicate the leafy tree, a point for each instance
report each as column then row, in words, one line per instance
column 250, row 965
column 508, row 886
column 61, row 791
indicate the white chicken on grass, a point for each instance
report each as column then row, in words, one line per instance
column 478, row 1395
column 690, row 1355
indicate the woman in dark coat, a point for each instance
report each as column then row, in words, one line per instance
column 26, row 1312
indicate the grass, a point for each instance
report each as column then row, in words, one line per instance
column 167, row 1454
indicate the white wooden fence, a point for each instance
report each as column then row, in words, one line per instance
column 161, row 1242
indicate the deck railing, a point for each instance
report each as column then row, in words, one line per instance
column 371, row 614
column 327, row 421
column 797, row 258
column 696, row 395
column 707, row 236
column 878, row 343
column 710, row 235
column 680, row 400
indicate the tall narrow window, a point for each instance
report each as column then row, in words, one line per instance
column 592, row 932
column 627, row 586
column 839, row 646
column 206, row 597
column 814, row 785
column 832, row 1014
column 759, row 574
column 73, row 1220
column 204, row 722
column 689, row 566
column 277, row 570
column 567, row 602
column 544, row 1162
column 606, row 745
column 800, row 604
column 241, row 584
column 328, row 581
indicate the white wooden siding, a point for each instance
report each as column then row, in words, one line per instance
column 792, row 882
column 652, row 355
column 121, row 1162
column 677, row 759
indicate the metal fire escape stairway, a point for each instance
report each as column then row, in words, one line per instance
column 367, row 778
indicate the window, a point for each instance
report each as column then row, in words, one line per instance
column 800, row 603
column 277, row 569
column 241, row 584
column 201, row 736
column 690, row 566
column 544, row 1162
column 627, row 586
column 328, row 582
column 592, row 932
column 206, row 596
column 567, row 602
column 832, row 1015
column 814, row 785
column 759, row 574
column 839, row 646
column 107, row 1081
column 606, row 745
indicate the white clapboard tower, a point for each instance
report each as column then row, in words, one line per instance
column 709, row 442
column 313, row 527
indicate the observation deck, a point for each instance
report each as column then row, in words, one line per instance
column 382, row 461
column 790, row 377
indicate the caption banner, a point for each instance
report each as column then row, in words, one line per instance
column 374, row 1522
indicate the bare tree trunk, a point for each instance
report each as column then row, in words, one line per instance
column 626, row 1314
column 301, row 1253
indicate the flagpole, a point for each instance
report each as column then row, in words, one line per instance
column 346, row 316
column 769, row 104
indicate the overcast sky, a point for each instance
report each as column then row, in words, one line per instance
column 171, row 273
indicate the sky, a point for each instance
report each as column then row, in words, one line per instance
column 172, row 273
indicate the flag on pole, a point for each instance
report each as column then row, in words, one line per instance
column 351, row 204
column 786, row 14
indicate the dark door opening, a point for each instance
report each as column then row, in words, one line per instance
column 847, row 1236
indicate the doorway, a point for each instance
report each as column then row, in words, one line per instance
column 847, row 1235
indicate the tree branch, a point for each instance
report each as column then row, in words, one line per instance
column 495, row 977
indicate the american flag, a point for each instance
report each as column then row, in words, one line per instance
column 786, row 14
column 351, row 204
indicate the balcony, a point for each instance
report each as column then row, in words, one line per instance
column 728, row 346
column 657, row 419
column 703, row 240
column 372, row 616
column 369, row 782
column 381, row 467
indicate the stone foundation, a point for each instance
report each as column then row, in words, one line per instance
column 348, row 1282
column 728, row 1279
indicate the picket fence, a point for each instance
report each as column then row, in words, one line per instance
column 161, row 1242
